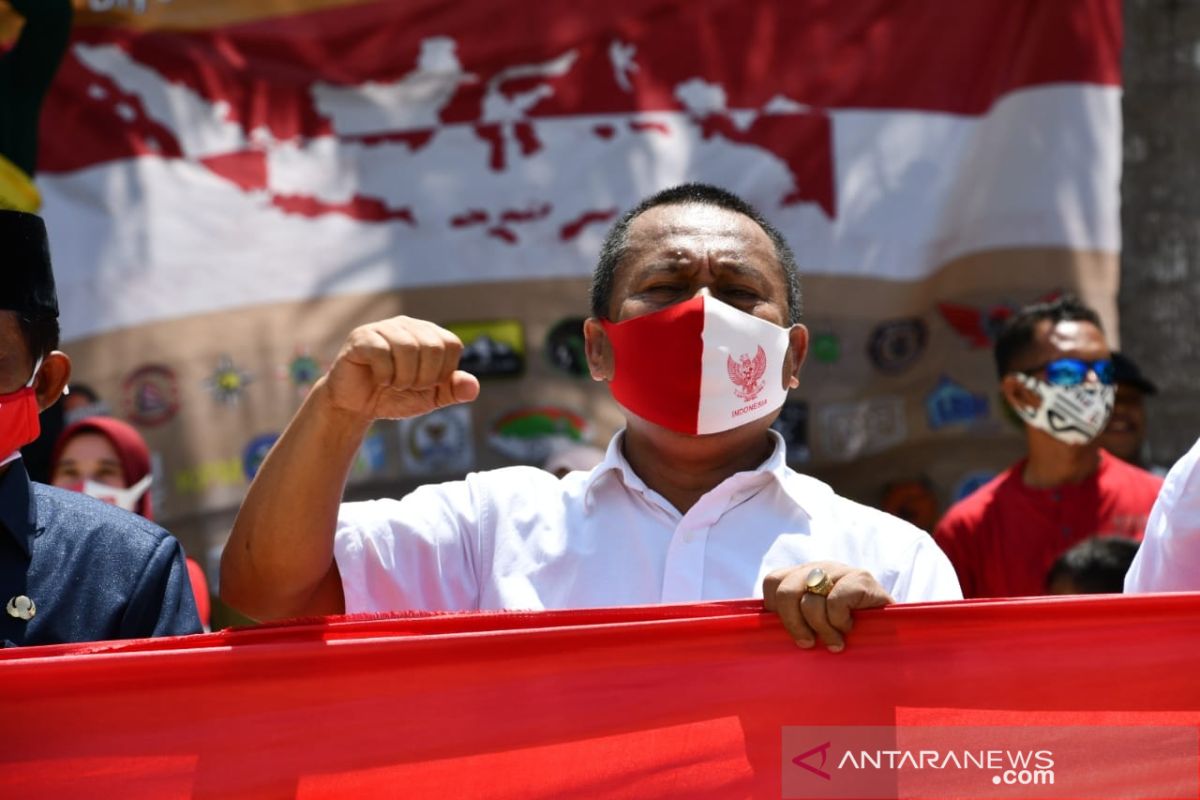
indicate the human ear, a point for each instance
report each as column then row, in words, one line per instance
column 52, row 378
column 796, row 353
column 599, row 350
column 1018, row 395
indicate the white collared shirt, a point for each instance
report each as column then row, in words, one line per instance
column 1168, row 559
column 519, row 538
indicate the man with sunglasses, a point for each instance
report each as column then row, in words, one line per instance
column 1056, row 373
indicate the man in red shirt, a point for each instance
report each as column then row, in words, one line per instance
column 1056, row 373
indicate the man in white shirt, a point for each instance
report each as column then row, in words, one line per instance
column 1169, row 557
column 695, row 327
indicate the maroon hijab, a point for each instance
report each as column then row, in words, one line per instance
column 131, row 449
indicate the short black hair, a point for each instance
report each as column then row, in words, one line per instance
column 1017, row 333
column 40, row 332
column 616, row 243
column 1096, row 565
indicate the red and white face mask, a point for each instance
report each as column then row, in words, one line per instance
column 698, row 367
column 114, row 496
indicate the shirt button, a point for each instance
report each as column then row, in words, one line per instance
column 21, row 607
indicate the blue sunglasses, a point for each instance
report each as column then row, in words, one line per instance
column 1073, row 371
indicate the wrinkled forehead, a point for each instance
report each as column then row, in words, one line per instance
column 699, row 230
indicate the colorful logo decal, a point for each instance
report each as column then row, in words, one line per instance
column 950, row 403
column 438, row 442
column 491, row 349
column 371, row 458
column 849, row 430
column 209, row 475
column 255, row 452
column 967, row 485
column 826, row 348
column 227, row 382
column 565, row 347
column 530, row 435
column 912, row 501
column 150, row 395
column 977, row 325
column 747, row 374
column 896, row 345
column 792, row 424
column 302, row 371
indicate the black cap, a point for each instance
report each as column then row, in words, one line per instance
column 27, row 285
column 1125, row 371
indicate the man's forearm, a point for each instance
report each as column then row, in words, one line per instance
column 279, row 558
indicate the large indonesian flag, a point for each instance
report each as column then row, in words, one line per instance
column 231, row 185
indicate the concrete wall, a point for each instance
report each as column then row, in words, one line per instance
column 1160, row 268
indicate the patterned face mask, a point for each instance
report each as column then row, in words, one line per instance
column 698, row 367
column 1072, row 414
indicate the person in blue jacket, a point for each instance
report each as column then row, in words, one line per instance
column 72, row 568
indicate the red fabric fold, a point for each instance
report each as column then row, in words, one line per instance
column 684, row 701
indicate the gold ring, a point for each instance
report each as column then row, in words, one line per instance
column 818, row 583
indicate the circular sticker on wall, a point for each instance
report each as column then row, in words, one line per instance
column 255, row 452
column 150, row 395
column 826, row 348
column 440, row 441
column 896, row 345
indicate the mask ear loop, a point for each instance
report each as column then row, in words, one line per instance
column 36, row 366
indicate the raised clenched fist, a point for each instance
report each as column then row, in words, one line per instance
column 397, row 368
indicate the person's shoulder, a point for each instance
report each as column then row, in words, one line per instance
column 66, row 513
column 970, row 509
column 519, row 478
column 854, row 517
column 490, row 487
column 1122, row 473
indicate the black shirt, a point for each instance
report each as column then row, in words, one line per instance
column 92, row 570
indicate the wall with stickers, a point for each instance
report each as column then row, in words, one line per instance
column 233, row 186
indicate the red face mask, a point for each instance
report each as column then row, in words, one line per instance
column 698, row 367
column 19, row 423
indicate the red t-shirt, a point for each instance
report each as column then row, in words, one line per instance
column 1003, row 538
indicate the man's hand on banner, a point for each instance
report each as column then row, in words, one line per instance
column 397, row 368
column 816, row 600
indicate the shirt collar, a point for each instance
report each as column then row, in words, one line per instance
column 615, row 465
column 17, row 513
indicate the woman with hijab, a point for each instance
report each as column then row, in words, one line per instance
column 109, row 460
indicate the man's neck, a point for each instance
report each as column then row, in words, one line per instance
column 1053, row 463
column 685, row 468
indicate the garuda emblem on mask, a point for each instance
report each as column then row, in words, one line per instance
column 747, row 374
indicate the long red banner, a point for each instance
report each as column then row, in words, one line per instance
column 678, row 701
